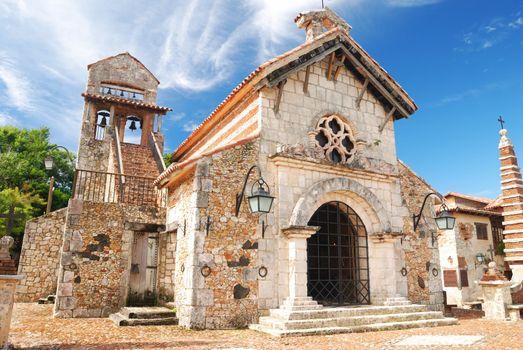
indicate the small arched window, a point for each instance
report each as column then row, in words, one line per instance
column 335, row 138
column 102, row 120
column 133, row 130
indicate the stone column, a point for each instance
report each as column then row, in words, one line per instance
column 496, row 292
column 297, row 245
column 8, row 282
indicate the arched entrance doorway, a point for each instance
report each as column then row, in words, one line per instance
column 337, row 257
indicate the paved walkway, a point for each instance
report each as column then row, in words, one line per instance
column 34, row 328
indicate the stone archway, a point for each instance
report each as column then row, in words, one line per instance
column 308, row 203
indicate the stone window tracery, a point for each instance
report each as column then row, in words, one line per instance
column 335, row 138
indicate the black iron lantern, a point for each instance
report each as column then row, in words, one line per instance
column 260, row 200
column 444, row 220
column 48, row 162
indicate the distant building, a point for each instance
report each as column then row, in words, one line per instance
column 465, row 251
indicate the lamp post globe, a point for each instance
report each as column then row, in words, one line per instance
column 48, row 162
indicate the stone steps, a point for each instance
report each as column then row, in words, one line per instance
column 323, row 313
column 144, row 316
column 352, row 321
column 365, row 328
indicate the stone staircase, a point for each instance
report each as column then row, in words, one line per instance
column 144, row 316
column 305, row 317
column 139, row 161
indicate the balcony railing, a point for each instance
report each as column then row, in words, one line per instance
column 105, row 187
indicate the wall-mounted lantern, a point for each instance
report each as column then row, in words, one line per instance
column 444, row 220
column 480, row 259
column 260, row 200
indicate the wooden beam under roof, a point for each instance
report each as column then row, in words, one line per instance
column 306, row 81
column 279, row 95
column 331, row 63
column 360, row 96
column 340, row 64
column 389, row 115
column 374, row 82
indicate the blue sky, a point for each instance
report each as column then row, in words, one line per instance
column 459, row 59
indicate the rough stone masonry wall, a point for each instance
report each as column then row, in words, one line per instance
column 40, row 257
column 421, row 259
column 166, row 266
column 95, row 259
column 231, row 245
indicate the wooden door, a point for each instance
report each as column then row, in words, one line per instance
column 144, row 262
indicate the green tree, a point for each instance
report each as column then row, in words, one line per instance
column 167, row 159
column 23, row 177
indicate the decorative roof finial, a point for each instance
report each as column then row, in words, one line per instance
column 504, row 141
column 315, row 21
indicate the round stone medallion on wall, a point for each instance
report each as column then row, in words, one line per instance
column 335, row 138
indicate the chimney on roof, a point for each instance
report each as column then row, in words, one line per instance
column 317, row 21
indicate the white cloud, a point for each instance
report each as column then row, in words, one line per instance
column 518, row 22
column 190, row 126
column 17, row 87
column 412, row 3
column 487, row 44
column 6, row 119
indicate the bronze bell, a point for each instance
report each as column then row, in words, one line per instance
column 132, row 127
column 103, row 123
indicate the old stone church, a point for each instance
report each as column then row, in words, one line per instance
column 313, row 128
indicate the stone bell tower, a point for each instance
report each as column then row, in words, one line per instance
column 121, row 124
column 512, row 191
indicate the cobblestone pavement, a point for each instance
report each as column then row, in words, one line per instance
column 34, row 328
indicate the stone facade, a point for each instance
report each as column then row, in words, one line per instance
column 166, row 266
column 40, row 258
column 421, row 253
column 95, row 256
column 319, row 139
column 8, row 282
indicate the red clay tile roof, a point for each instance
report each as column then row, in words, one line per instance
column 178, row 166
column 469, row 197
column 256, row 73
column 496, row 203
column 125, row 101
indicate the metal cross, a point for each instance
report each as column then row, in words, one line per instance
column 491, row 250
column 10, row 217
column 501, row 121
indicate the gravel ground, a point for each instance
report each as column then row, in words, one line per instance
column 33, row 327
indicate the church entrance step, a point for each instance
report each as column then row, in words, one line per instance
column 347, row 321
column 355, row 329
column 144, row 316
column 345, row 312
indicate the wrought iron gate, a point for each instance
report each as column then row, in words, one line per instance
column 337, row 257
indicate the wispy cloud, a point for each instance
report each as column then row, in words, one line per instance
column 488, row 35
column 412, row 3
column 17, row 89
column 190, row 126
column 469, row 93
column 6, row 119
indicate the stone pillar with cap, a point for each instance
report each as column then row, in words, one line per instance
column 512, row 192
column 496, row 293
column 297, row 245
column 8, row 281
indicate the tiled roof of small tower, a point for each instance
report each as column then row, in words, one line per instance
column 337, row 30
column 512, row 191
column 483, row 206
column 125, row 101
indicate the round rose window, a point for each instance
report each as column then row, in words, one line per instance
column 335, row 138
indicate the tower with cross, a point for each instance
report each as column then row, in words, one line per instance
column 10, row 218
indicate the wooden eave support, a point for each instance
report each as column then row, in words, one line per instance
column 331, row 63
column 389, row 115
column 340, row 65
column 359, row 66
column 360, row 96
column 279, row 95
column 306, row 81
